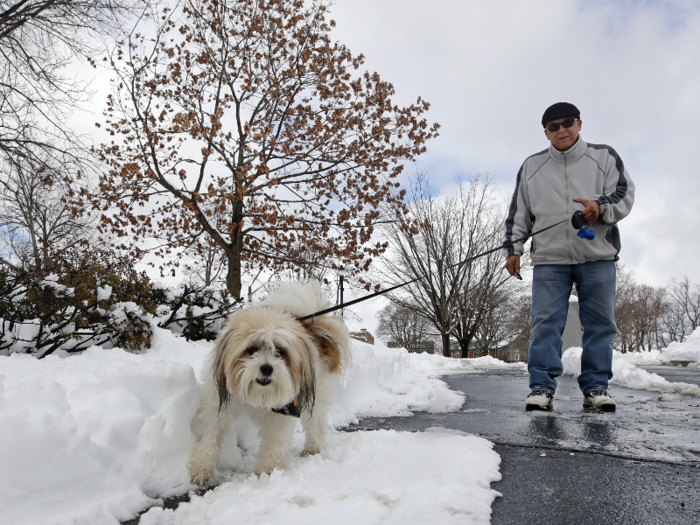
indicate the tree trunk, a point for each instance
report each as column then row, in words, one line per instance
column 464, row 347
column 234, row 251
column 233, row 272
column 446, row 345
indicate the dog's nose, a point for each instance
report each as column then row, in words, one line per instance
column 266, row 370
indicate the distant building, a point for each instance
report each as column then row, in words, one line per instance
column 363, row 335
column 511, row 354
column 573, row 336
column 456, row 351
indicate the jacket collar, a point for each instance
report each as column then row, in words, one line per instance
column 572, row 154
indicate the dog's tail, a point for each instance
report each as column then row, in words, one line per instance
column 299, row 299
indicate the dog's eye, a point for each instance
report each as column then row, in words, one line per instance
column 281, row 351
column 252, row 350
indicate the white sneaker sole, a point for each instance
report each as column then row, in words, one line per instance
column 601, row 403
column 538, row 403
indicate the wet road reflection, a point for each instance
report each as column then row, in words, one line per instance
column 548, row 428
column 646, row 424
column 600, row 432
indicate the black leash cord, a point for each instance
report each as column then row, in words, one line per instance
column 366, row 297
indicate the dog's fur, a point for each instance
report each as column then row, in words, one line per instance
column 263, row 359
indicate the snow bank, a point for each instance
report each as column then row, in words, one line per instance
column 91, row 438
column 627, row 374
column 393, row 382
column 687, row 352
column 99, row 436
column 364, row 477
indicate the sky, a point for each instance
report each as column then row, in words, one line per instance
column 489, row 70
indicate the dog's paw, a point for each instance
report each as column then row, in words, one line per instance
column 268, row 467
column 311, row 450
column 201, row 469
column 200, row 477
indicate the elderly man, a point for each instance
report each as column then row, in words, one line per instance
column 551, row 185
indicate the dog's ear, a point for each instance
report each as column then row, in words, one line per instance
column 307, row 389
column 218, row 369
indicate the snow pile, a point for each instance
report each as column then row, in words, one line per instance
column 689, row 350
column 627, row 374
column 393, row 382
column 652, row 358
column 98, row 436
column 686, row 352
column 490, row 363
column 90, row 438
column 363, row 477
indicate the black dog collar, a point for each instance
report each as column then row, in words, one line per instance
column 292, row 409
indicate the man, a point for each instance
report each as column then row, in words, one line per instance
column 551, row 185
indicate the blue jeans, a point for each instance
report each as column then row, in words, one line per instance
column 551, row 287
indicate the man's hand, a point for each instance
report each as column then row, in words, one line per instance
column 513, row 264
column 591, row 209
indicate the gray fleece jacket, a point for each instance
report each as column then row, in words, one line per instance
column 546, row 184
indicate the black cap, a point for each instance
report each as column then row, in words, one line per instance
column 559, row 110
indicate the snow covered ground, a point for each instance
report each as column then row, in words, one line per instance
column 97, row 437
column 686, row 352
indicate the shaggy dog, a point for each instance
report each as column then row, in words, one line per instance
column 269, row 366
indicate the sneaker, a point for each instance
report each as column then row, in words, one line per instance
column 599, row 399
column 539, row 400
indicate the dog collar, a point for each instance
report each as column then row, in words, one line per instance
column 292, row 409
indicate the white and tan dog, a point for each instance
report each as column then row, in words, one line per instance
column 269, row 366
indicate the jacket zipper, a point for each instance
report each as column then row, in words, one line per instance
column 566, row 207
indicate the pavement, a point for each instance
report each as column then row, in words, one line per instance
column 639, row 465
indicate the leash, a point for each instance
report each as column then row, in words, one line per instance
column 381, row 292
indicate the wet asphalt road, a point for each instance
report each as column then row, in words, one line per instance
column 640, row 465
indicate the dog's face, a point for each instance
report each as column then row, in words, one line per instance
column 263, row 359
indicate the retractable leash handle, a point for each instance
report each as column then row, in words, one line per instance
column 580, row 224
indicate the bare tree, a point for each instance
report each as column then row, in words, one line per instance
column 404, row 326
column 37, row 225
column 38, row 40
column 487, row 289
column 432, row 249
column 243, row 122
column 625, row 293
column 675, row 323
column 651, row 307
column 641, row 313
column 686, row 297
column 494, row 327
column 204, row 264
column 41, row 159
column 520, row 323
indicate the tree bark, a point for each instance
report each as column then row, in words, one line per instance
column 446, row 345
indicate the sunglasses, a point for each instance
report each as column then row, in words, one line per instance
column 566, row 123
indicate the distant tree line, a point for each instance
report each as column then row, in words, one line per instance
column 647, row 318
column 651, row 317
